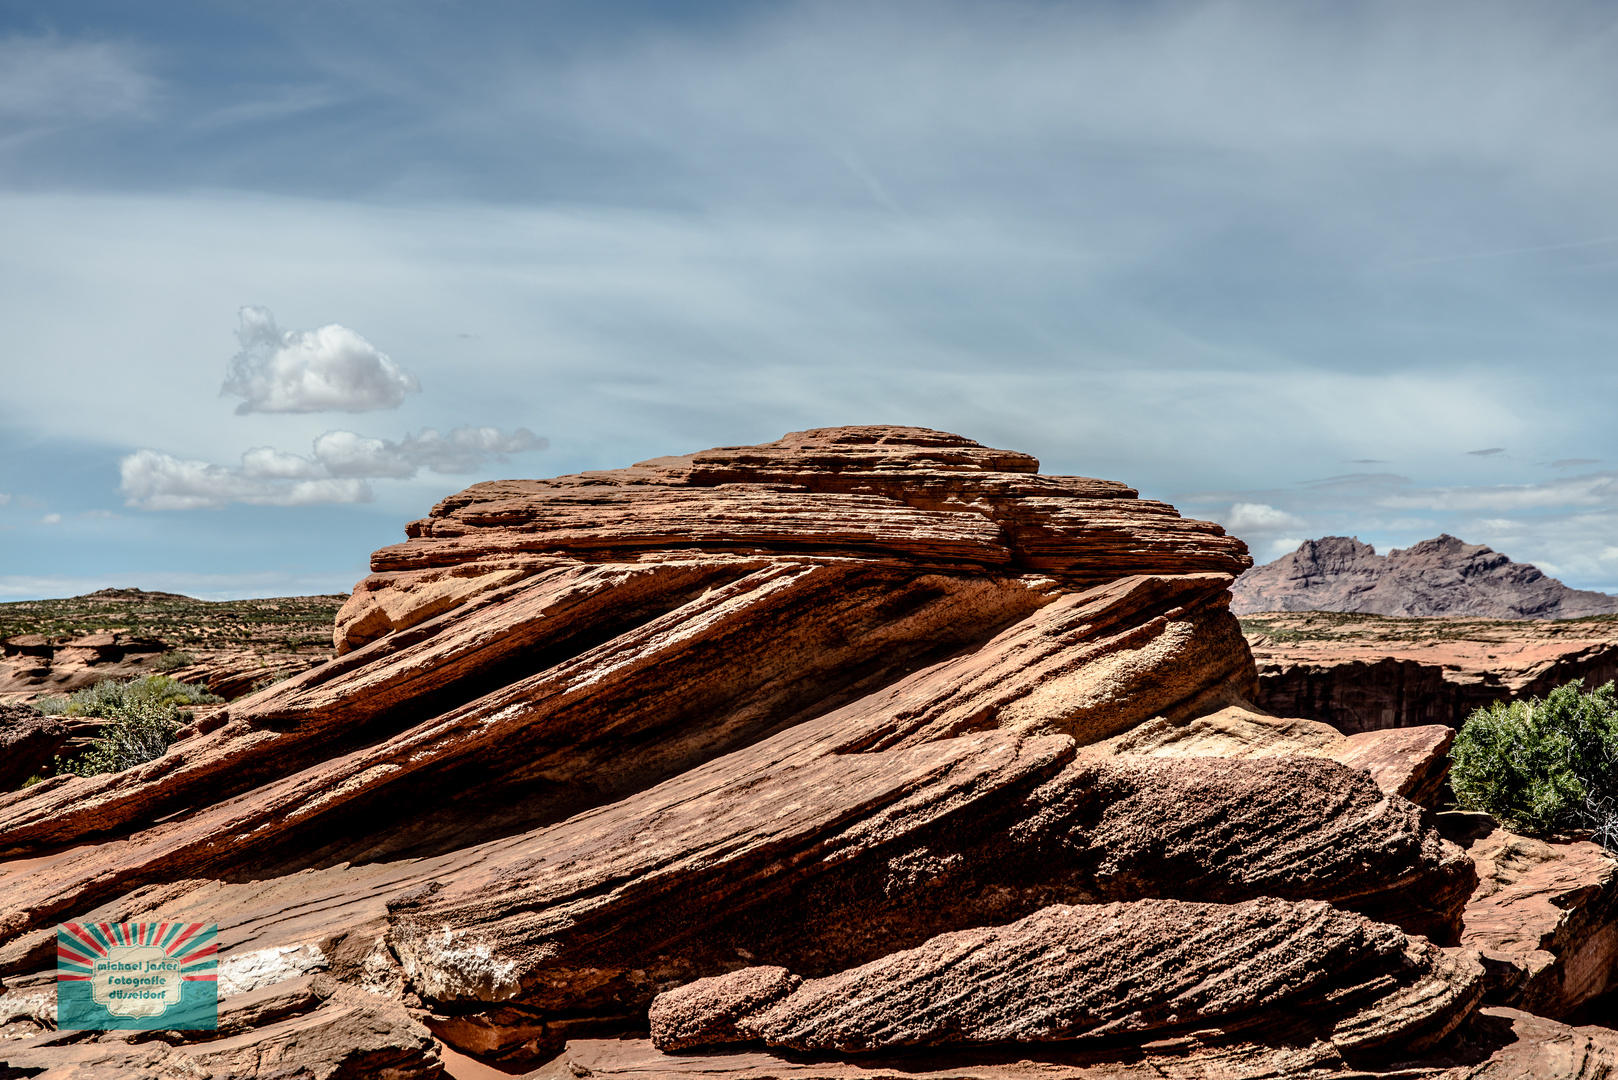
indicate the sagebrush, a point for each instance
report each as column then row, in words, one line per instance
column 1544, row 765
column 143, row 715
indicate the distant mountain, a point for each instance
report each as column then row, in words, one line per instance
column 1442, row 576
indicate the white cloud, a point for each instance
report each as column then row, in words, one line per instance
column 268, row 463
column 465, row 448
column 329, row 369
column 336, row 472
column 4, row 499
column 344, row 453
column 1245, row 516
column 51, row 519
column 154, row 481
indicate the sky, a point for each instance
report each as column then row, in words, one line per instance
column 275, row 278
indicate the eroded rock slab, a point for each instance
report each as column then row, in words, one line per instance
column 1544, row 916
column 853, row 856
column 1147, row 969
column 1409, row 762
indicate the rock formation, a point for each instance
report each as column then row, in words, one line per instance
column 835, row 712
column 1363, row 673
column 28, row 743
column 1442, row 576
column 1148, row 970
column 1544, row 917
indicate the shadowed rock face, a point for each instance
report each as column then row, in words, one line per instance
column 805, row 705
column 28, row 741
column 1442, row 576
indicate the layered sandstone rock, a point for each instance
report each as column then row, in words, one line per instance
column 806, row 705
column 1442, row 576
column 1544, row 916
column 1147, row 970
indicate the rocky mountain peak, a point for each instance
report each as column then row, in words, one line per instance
column 1441, row 576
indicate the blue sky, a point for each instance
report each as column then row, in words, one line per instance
column 276, row 277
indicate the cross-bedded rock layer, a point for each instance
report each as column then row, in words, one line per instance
column 1108, row 973
column 809, row 704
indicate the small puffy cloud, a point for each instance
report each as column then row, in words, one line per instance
column 268, row 463
column 330, row 369
column 465, row 448
column 51, row 519
column 4, row 499
column 1259, row 517
column 344, row 453
column 336, row 471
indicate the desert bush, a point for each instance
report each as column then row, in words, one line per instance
column 142, row 732
column 1541, row 766
column 143, row 716
column 111, row 699
column 172, row 661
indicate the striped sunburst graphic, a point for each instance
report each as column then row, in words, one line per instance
column 192, row 945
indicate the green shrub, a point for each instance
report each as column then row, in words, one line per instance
column 142, row 732
column 143, row 716
column 112, row 699
column 1540, row 766
column 171, row 661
